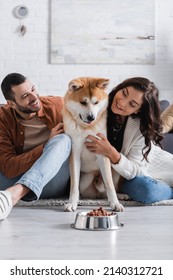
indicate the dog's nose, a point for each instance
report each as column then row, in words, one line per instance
column 90, row 118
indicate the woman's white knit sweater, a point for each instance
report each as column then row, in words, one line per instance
column 132, row 163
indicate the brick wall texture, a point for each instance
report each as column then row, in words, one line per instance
column 30, row 54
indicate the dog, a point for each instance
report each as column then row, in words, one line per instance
column 85, row 113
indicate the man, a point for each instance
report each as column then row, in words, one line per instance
column 34, row 150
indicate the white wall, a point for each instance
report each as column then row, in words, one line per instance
column 30, row 54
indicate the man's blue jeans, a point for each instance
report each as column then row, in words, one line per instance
column 147, row 190
column 49, row 175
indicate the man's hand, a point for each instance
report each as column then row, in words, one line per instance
column 58, row 129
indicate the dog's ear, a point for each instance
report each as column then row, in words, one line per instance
column 102, row 83
column 75, row 85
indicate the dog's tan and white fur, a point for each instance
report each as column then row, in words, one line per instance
column 85, row 113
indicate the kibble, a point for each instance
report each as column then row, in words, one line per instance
column 100, row 212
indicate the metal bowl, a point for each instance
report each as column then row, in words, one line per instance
column 85, row 222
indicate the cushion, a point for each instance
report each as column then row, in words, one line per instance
column 164, row 104
column 167, row 119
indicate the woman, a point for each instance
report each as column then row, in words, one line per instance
column 140, row 167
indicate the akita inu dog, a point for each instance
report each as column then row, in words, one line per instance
column 85, row 113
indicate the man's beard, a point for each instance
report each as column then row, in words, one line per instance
column 27, row 110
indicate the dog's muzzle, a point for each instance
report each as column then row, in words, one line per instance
column 90, row 118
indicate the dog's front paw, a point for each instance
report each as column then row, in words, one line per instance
column 117, row 207
column 69, row 207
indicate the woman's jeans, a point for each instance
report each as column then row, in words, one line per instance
column 147, row 190
column 49, row 175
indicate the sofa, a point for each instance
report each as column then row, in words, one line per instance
column 167, row 142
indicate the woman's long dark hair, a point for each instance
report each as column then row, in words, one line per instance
column 149, row 114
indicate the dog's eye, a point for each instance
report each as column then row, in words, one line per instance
column 83, row 103
column 95, row 103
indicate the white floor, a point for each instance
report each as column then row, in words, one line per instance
column 45, row 233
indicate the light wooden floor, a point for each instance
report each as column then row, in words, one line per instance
column 45, row 233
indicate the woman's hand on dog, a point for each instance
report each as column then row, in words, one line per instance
column 99, row 144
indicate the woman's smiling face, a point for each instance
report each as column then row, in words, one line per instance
column 127, row 101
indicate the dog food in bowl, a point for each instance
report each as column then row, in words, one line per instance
column 100, row 212
column 97, row 219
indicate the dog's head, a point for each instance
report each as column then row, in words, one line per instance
column 86, row 99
